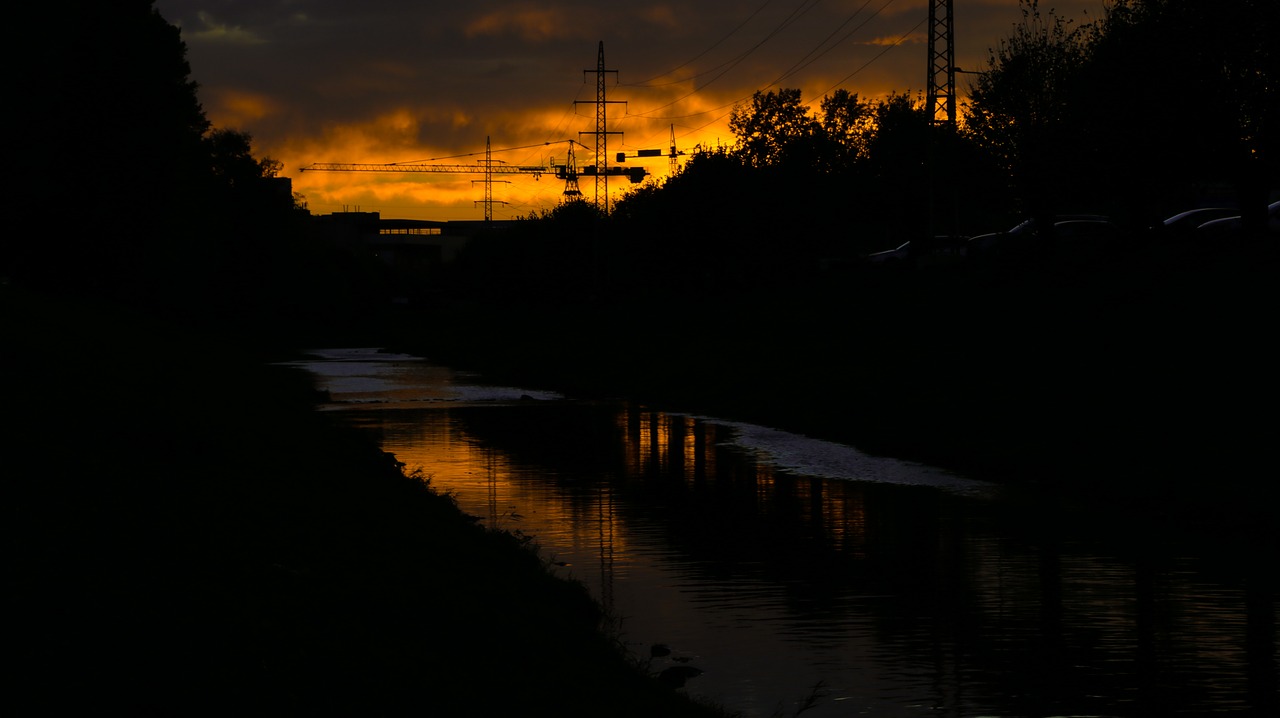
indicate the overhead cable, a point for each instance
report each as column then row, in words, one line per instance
column 795, row 15
column 646, row 83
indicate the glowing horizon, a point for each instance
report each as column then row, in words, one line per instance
column 389, row 84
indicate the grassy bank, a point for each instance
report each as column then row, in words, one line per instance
column 189, row 538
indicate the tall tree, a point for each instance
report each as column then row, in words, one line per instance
column 1019, row 107
column 112, row 139
column 898, row 163
column 773, row 128
column 845, row 121
column 1181, row 95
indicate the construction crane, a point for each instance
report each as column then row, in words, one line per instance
column 478, row 168
column 488, row 167
column 672, row 154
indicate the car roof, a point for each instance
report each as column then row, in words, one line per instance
column 1200, row 211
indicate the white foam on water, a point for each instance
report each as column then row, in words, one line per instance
column 365, row 376
column 806, row 456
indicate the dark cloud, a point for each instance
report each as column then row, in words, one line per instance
column 385, row 80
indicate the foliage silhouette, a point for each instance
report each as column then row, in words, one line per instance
column 774, row 129
column 1203, row 113
column 112, row 142
column 146, row 204
column 1019, row 109
column 1158, row 106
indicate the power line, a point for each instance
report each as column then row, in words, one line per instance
column 795, row 15
column 808, row 59
column 901, row 39
column 645, row 83
column 798, row 67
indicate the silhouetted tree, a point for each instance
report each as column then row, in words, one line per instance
column 897, row 167
column 141, row 201
column 773, row 128
column 1155, row 107
column 1179, row 95
column 1019, row 107
column 846, row 122
column 678, row 234
column 111, row 141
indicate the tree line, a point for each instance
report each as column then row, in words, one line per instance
column 1155, row 107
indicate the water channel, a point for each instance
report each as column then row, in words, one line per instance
column 804, row 576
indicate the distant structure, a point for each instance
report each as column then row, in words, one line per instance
column 407, row 245
column 487, row 167
column 940, row 100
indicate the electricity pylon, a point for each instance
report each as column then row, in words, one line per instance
column 940, row 100
column 940, row 104
column 488, row 183
column 601, row 134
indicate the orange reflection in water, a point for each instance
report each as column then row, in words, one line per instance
column 679, row 445
column 525, row 499
column 578, row 531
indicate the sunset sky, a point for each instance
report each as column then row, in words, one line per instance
column 382, row 81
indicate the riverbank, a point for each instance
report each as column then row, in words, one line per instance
column 1138, row 382
column 190, row 538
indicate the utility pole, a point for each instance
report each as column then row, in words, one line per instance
column 940, row 100
column 602, row 143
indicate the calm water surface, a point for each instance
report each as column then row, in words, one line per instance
column 788, row 569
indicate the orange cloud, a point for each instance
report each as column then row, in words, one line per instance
column 237, row 108
column 531, row 24
column 661, row 15
column 212, row 30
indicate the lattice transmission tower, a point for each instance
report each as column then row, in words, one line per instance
column 488, row 183
column 601, row 170
column 940, row 100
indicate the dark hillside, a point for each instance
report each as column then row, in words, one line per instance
column 188, row 537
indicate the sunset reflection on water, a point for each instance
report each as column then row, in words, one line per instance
column 910, row 591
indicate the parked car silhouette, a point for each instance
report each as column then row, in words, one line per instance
column 927, row 251
column 1193, row 218
column 1235, row 224
column 891, row 256
column 1029, row 236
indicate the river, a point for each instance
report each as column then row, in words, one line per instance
column 786, row 575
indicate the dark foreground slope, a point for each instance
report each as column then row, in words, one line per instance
column 187, row 537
